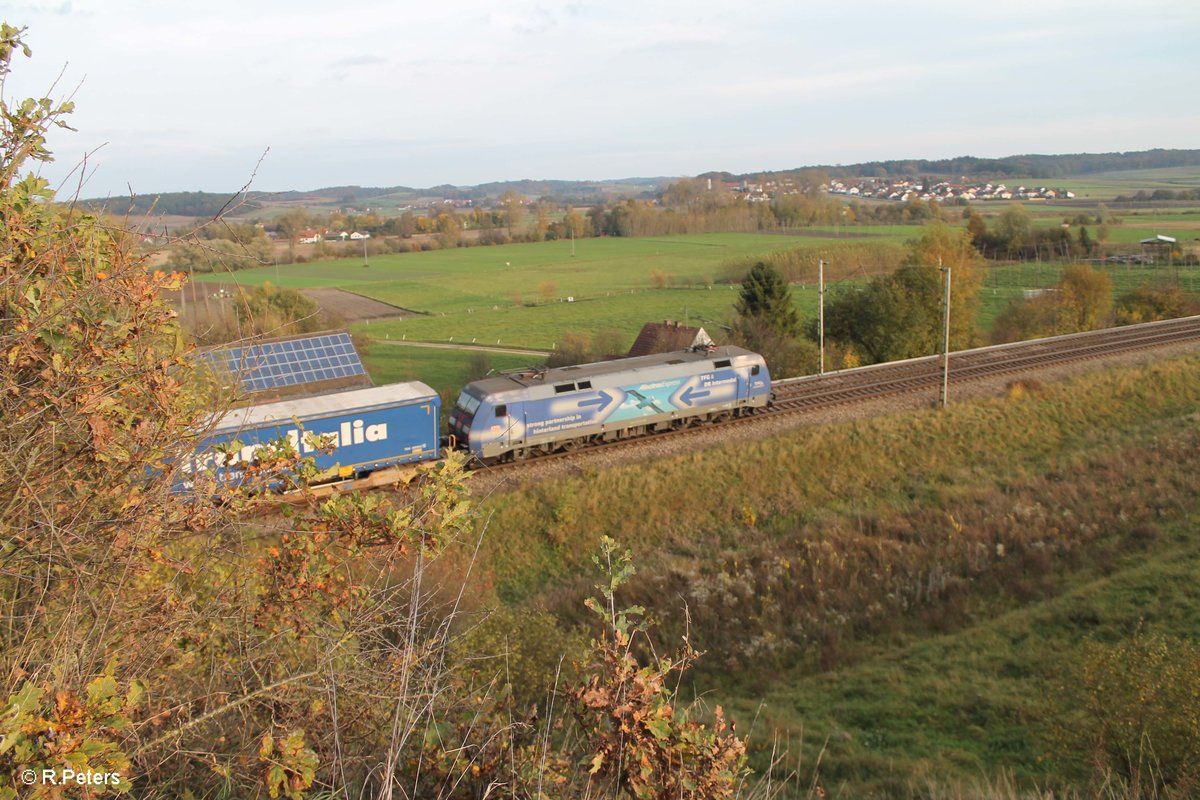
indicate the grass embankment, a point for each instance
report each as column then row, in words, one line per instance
column 908, row 587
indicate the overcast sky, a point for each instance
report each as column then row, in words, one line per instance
column 178, row 96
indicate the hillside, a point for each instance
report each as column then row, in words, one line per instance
column 207, row 204
column 907, row 595
column 1019, row 166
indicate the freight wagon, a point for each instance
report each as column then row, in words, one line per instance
column 368, row 429
column 532, row 412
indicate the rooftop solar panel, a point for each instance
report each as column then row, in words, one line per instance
column 272, row 365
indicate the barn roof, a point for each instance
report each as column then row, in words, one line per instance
column 666, row 337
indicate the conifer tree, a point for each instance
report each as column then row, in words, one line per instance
column 766, row 299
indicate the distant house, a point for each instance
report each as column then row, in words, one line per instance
column 666, row 337
column 359, row 235
column 309, row 237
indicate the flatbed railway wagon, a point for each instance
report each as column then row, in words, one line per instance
column 369, row 429
column 533, row 412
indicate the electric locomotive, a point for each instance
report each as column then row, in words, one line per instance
column 530, row 412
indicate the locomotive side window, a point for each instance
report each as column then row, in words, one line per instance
column 564, row 387
column 722, row 363
column 585, row 384
column 502, row 410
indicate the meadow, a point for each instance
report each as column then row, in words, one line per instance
column 533, row 295
column 1107, row 185
column 468, row 278
column 446, row 371
column 530, row 295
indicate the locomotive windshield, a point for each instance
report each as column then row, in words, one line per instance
column 468, row 403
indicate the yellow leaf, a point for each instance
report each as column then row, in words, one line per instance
column 597, row 762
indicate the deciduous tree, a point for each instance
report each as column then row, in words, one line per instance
column 1080, row 301
column 901, row 315
column 514, row 210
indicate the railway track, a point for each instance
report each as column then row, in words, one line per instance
column 863, row 384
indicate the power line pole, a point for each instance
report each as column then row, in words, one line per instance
column 821, row 316
column 946, row 339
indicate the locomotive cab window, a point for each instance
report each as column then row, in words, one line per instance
column 468, row 403
column 725, row 362
column 564, row 387
column 754, row 370
column 502, row 410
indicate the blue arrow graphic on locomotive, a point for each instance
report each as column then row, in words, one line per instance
column 603, row 401
column 690, row 394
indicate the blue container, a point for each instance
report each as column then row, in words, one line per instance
column 369, row 429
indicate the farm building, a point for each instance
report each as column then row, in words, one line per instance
column 1159, row 248
column 666, row 337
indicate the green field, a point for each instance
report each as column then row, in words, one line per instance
column 530, row 295
column 471, row 278
column 533, row 295
column 1136, row 227
column 1106, row 185
column 543, row 326
column 444, row 370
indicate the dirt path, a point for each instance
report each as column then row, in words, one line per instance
column 453, row 346
column 350, row 307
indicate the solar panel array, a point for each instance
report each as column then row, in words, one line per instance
column 274, row 365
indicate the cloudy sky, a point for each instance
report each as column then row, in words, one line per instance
column 176, row 96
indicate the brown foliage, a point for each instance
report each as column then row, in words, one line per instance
column 1080, row 301
column 635, row 737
